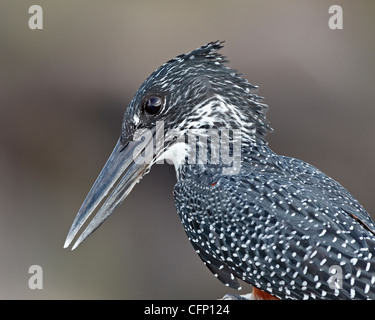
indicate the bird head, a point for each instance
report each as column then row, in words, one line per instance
column 192, row 92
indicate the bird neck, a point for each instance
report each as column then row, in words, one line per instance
column 211, row 163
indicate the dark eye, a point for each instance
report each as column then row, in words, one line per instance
column 153, row 104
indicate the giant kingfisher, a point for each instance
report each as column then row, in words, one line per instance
column 275, row 222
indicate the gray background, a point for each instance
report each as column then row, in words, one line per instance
column 63, row 91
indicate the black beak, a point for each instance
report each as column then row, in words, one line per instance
column 124, row 168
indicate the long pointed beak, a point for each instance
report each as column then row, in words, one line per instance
column 124, row 168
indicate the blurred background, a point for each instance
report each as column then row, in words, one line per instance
column 63, row 92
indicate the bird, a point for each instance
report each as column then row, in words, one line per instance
column 272, row 221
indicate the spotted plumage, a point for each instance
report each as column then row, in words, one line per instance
column 281, row 224
column 277, row 223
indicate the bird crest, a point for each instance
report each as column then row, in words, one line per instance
column 208, row 51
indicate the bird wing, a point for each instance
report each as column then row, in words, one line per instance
column 285, row 233
column 330, row 190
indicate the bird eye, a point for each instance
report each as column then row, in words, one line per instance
column 153, row 104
